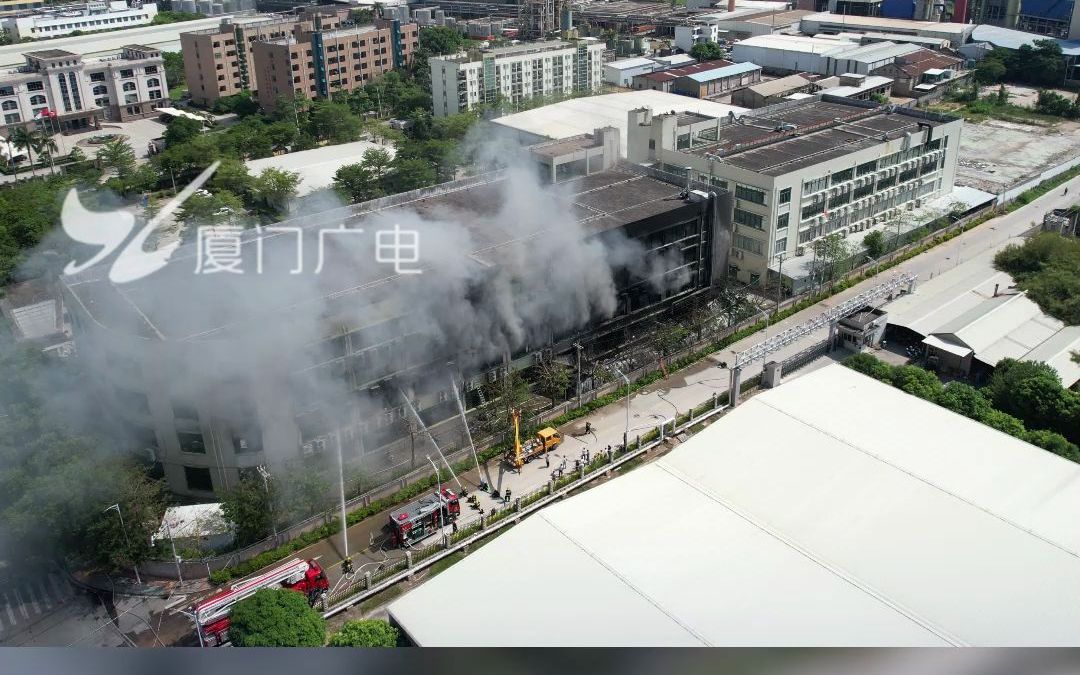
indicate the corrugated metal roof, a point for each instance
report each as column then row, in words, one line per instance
column 803, row 517
column 624, row 64
column 725, row 71
column 779, row 86
column 1014, row 39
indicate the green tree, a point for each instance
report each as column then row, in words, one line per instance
column 45, row 146
column 875, row 244
column 26, row 139
column 242, row 104
column 552, row 379
column 232, row 175
column 989, row 71
column 440, row 40
column 169, row 16
column 281, row 135
column 707, row 51
column 335, row 123
column 274, row 188
column 917, row 381
column 832, row 250
column 964, row 399
column 868, row 364
column 1040, row 63
column 248, row 507
column 174, row 68
column 1055, row 443
column 117, row 155
column 365, row 633
column 181, row 130
column 1032, row 391
column 276, row 618
column 1004, row 422
column 409, row 174
column 211, row 209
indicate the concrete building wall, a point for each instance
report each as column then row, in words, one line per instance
column 40, row 26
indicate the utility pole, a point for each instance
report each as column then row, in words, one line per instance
column 172, row 544
column 780, row 279
column 269, row 500
column 341, row 487
column 626, row 432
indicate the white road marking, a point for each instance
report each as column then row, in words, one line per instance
column 33, row 599
column 60, row 591
column 44, row 593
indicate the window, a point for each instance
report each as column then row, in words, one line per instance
column 868, row 167
column 154, row 94
column 748, row 244
column 781, row 245
column 191, row 442
column 97, row 77
column 133, row 401
column 198, row 478
column 749, row 219
column 7, row 91
column 750, row 194
column 129, row 86
column 841, row 176
column 816, row 185
column 12, row 118
column 153, row 82
column 127, row 72
column 10, row 105
column 35, row 86
column 101, row 90
column 184, row 410
column 782, row 221
column 150, row 70
column 785, row 195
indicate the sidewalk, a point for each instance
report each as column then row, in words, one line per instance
column 680, row 391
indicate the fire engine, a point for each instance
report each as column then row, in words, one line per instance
column 212, row 615
column 418, row 519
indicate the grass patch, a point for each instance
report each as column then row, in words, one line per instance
column 380, row 598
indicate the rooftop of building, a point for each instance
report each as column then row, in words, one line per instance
column 865, row 84
column 674, row 60
column 725, row 71
column 583, row 115
column 813, row 519
column 633, row 62
column 566, row 146
column 957, row 29
column 826, row 127
column 917, row 63
column 170, row 304
column 779, row 19
column 501, row 52
column 675, row 73
column 142, row 48
column 936, row 43
column 875, row 52
column 795, row 43
column 51, row 54
column 1007, row 38
column 779, row 85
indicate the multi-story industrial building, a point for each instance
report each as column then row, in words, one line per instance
column 8, row 7
column 93, row 16
column 801, row 170
column 219, row 61
column 463, row 81
column 82, row 92
column 322, row 63
column 221, row 373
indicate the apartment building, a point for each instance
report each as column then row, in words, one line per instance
column 83, row 92
column 801, row 170
column 463, row 81
column 324, row 62
column 85, row 18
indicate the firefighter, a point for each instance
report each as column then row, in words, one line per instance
column 453, row 527
column 588, row 427
column 506, row 499
column 547, row 460
column 346, row 566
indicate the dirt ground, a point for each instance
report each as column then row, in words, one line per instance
column 995, row 154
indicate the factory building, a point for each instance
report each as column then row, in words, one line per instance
column 804, row 169
column 217, row 374
column 621, row 73
column 826, row 22
column 83, row 92
column 773, row 91
column 322, row 63
column 91, row 17
column 463, row 81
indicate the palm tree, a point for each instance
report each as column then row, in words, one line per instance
column 45, row 145
column 23, row 137
column 11, row 157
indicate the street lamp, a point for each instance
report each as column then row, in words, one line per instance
column 126, row 538
column 269, row 500
column 438, row 486
column 626, row 433
column 577, row 349
column 341, row 490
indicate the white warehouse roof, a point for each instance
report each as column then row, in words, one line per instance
column 804, row 517
column 584, row 115
column 959, row 311
column 634, row 62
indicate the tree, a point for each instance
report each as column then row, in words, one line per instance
column 875, row 244
column 242, row 104
column 203, row 208
column 248, row 507
column 274, row 188
column 917, row 381
column 868, row 364
column 276, row 618
column 553, row 378
column 964, row 399
column 1055, row 443
column 45, row 145
column 1032, row 391
column 668, row 339
column 440, row 40
column 366, row 633
column 1040, row 63
column 989, row 71
column 707, row 51
column 174, row 68
column 281, row 135
column 117, row 155
column 24, row 138
column 181, row 130
column 1047, row 266
column 335, row 123
column 409, row 174
column 832, row 249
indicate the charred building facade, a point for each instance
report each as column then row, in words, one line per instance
column 326, row 329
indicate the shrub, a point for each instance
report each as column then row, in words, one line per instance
column 366, row 633
column 276, row 618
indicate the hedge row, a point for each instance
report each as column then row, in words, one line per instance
column 420, row 486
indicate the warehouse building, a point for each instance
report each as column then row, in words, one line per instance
column 971, row 316
column 857, row 87
column 219, row 373
column 621, row 73
column 463, row 81
column 784, row 54
column 91, row 17
column 804, row 169
column 826, row 22
column 773, row 91
column 718, row 82
column 925, row 74
column 805, row 517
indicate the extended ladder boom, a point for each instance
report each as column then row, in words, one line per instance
column 221, row 604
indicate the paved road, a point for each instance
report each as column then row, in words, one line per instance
column 690, row 387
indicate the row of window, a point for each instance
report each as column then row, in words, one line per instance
column 818, row 184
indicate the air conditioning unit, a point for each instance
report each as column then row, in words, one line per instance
column 800, row 250
column 319, row 445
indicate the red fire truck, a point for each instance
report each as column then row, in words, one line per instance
column 212, row 615
column 418, row 519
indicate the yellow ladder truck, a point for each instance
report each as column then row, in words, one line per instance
column 546, row 440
